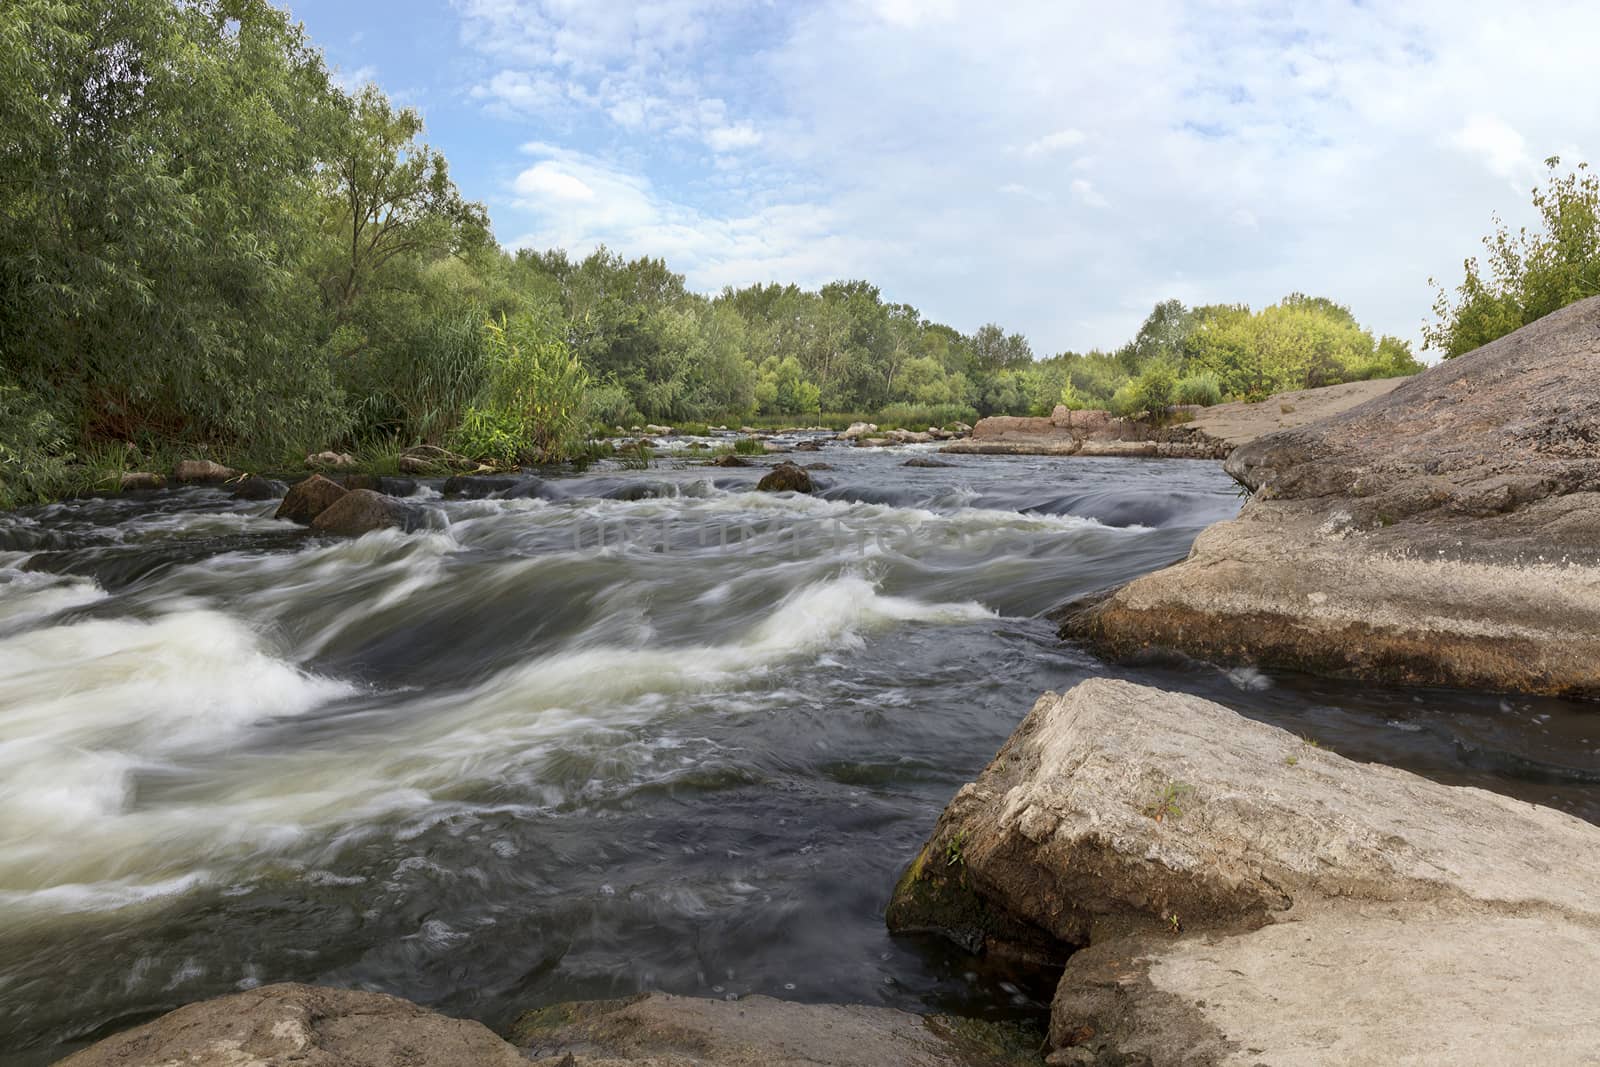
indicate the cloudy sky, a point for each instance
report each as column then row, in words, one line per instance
column 1054, row 166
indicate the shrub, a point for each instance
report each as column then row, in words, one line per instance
column 921, row 416
column 1201, row 389
column 33, row 458
column 610, row 404
column 749, row 446
column 533, row 405
column 1148, row 394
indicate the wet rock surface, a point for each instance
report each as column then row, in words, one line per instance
column 1239, row 896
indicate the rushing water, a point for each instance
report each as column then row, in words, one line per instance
column 660, row 731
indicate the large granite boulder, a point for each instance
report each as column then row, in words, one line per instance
column 1232, row 894
column 301, row 1024
column 786, row 477
column 1444, row 533
column 308, row 498
column 362, row 511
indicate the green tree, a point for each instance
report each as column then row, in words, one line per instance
column 1527, row 274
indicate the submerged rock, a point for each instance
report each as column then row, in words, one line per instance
column 361, row 511
column 300, row 1024
column 255, row 487
column 1239, row 896
column 786, row 477
column 476, row 487
column 1445, row 533
column 924, row 461
column 670, row 1031
column 288, row 1023
column 308, row 498
column 730, row 460
column 202, row 471
column 380, row 483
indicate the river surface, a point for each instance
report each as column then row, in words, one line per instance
column 661, row 732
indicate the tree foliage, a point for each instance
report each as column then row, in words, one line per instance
column 205, row 243
column 1527, row 275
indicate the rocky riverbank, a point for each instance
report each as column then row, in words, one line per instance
column 1445, row 533
column 1230, row 893
column 290, row 1024
column 1186, row 432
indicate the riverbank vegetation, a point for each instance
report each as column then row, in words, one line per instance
column 1527, row 273
column 209, row 247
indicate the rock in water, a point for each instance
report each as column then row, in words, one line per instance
column 361, row 511
column 923, row 461
column 658, row 1030
column 786, row 477
column 283, row 1024
column 858, row 429
column 729, row 460
column 476, row 487
column 202, row 471
column 255, row 487
column 309, row 498
column 1445, row 533
column 1238, row 896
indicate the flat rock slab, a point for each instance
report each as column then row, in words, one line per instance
column 1238, row 895
column 1446, row 532
column 660, row 1030
column 302, row 1026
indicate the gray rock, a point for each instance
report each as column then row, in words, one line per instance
column 1238, row 896
column 669, row 1031
column 361, row 511
column 255, row 487
column 308, row 498
column 786, row 477
column 1444, row 533
column 202, row 471
column 924, row 461
column 330, row 461
column 278, row 1025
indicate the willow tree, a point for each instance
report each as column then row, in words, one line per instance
column 156, row 210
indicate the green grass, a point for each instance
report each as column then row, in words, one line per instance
column 749, row 446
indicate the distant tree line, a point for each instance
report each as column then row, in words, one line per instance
column 207, row 244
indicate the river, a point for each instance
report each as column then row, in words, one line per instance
column 660, row 732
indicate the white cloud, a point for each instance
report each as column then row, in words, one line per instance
column 1054, row 142
column 355, row 79
column 1500, row 147
column 1085, row 191
column 576, row 201
column 1234, row 149
column 729, row 138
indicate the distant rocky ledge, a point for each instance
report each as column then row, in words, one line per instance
column 1185, row 432
column 1444, row 533
column 1230, row 893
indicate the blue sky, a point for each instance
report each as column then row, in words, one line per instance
column 1054, row 166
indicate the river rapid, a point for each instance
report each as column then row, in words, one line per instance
column 659, row 732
